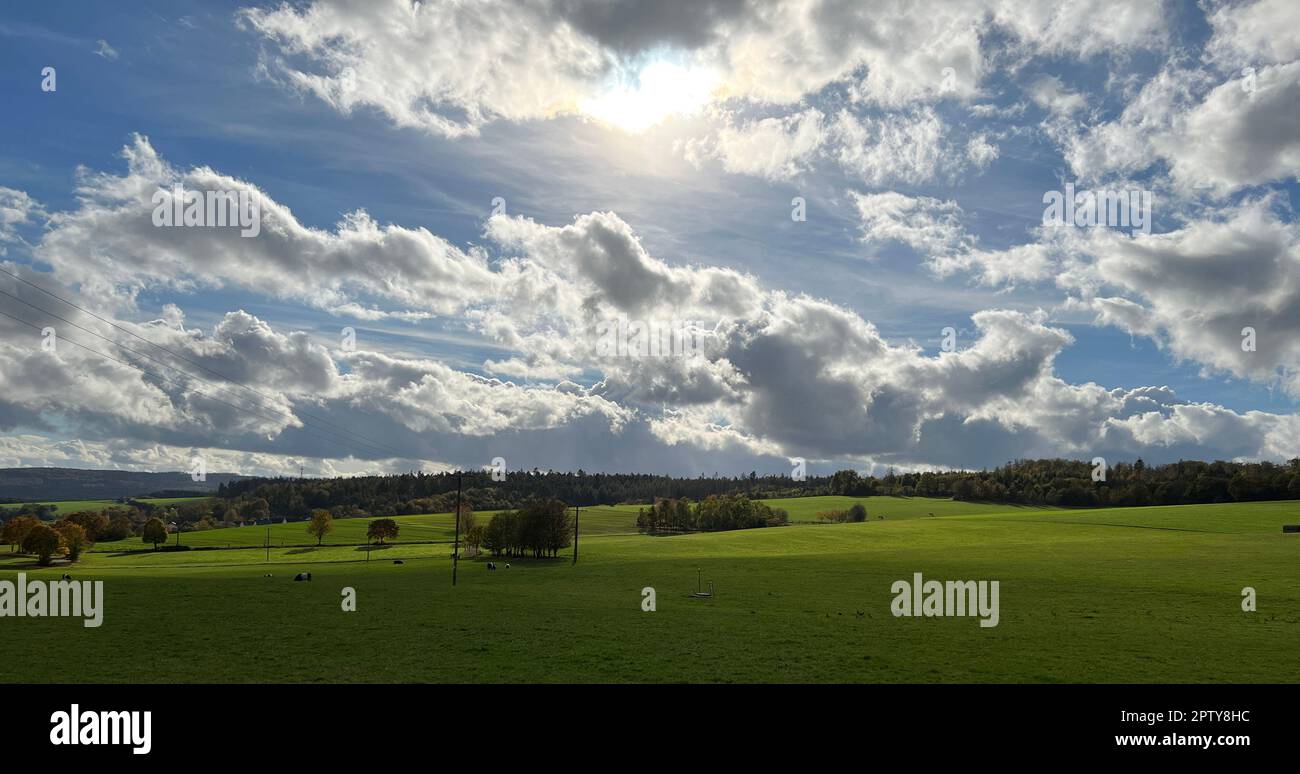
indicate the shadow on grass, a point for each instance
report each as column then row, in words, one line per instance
column 16, row 561
column 517, row 562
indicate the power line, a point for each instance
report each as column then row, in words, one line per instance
column 232, row 380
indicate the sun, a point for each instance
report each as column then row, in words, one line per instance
column 659, row 90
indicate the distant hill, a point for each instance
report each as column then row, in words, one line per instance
column 76, row 484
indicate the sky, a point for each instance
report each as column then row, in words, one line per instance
column 838, row 214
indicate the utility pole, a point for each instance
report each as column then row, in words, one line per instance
column 268, row 544
column 576, row 509
column 455, row 551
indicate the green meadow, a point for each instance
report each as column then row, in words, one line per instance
column 73, row 506
column 1115, row 595
column 594, row 520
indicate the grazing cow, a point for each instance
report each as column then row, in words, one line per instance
column 267, row 575
column 302, row 576
column 66, row 576
column 507, row 565
column 492, row 565
column 398, row 561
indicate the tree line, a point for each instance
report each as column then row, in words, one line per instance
column 1057, row 482
column 538, row 529
column 1075, row 483
column 1031, row 482
column 712, row 514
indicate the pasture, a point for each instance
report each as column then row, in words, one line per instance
column 1115, row 595
column 73, row 506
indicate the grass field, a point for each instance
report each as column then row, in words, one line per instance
column 602, row 520
column 72, row 506
column 809, row 508
column 1117, row 595
column 595, row 520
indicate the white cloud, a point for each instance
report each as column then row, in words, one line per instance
column 1049, row 93
column 1216, row 135
column 1200, row 285
column 1251, row 33
column 16, row 209
column 775, row 374
column 450, row 68
column 110, row 247
column 935, row 230
column 771, row 148
column 1242, row 134
column 929, row 226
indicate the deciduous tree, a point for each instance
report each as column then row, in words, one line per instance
column 321, row 524
column 154, row 532
column 16, row 530
column 73, row 538
column 42, row 541
column 381, row 529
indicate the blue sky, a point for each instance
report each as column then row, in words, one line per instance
column 924, row 194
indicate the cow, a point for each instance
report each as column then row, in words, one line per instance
column 398, row 561
column 492, row 565
column 507, row 565
column 302, row 576
column 67, row 576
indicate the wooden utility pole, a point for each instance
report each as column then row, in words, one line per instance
column 576, row 509
column 455, row 551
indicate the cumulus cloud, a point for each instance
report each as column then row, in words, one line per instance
column 16, row 209
column 925, row 224
column 775, row 148
column 110, row 247
column 772, row 375
column 936, row 231
column 1245, row 132
column 1201, row 285
column 911, row 146
column 1049, row 93
column 1213, row 134
column 1247, row 33
column 1194, row 290
column 451, row 68
column 30, row 450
